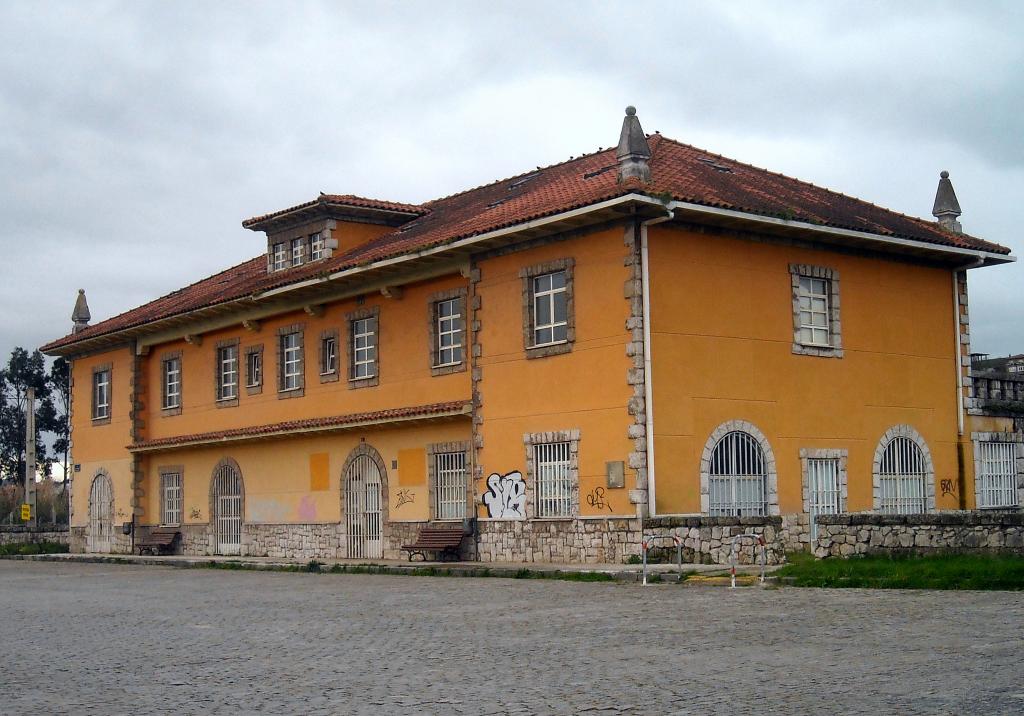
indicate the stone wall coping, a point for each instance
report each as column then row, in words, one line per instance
column 19, row 529
column 972, row 518
column 707, row 521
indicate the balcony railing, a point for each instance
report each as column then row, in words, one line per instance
column 999, row 393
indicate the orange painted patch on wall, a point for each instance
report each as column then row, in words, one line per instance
column 319, row 472
column 412, row 467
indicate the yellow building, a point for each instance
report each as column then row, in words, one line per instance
column 574, row 357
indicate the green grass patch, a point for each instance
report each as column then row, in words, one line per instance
column 33, row 548
column 954, row 571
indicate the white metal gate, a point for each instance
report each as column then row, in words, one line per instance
column 901, row 478
column 362, row 509
column 738, row 476
column 101, row 514
column 227, row 506
column 824, row 493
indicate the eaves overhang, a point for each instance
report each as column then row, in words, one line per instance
column 329, row 207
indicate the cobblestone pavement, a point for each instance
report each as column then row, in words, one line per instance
column 111, row 639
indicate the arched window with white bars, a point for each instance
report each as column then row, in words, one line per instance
column 903, row 473
column 738, row 472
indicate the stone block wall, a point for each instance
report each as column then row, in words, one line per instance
column 589, row 541
column 943, row 532
column 709, row 540
column 19, row 534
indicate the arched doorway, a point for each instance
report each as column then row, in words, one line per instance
column 364, row 483
column 101, row 513
column 227, row 501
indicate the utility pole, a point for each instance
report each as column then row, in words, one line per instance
column 30, row 455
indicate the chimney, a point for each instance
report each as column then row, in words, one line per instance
column 633, row 151
column 81, row 313
column 947, row 208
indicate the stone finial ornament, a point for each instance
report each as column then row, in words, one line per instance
column 633, row 150
column 81, row 315
column 946, row 208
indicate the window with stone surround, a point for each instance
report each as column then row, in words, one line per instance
column 548, row 308
column 227, row 372
column 448, row 479
column 816, row 324
column 101, row 394
column 316, row 246
column 903, row 473
column 363, row 342
column 170, row 365
column 290, row 356
column 170, row 495
column 279, row 257
column 298, row 251
column 329, row 356
column 254, row 369
column 738, row 476
column 998, row 470
column 824, row 483
column 447, row 322
column 552, row 471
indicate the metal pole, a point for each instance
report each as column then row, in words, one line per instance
column 644, row 547
column 679, row 551
column 30, row 455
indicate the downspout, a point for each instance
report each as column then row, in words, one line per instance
column 648, row 375
column 956, row 342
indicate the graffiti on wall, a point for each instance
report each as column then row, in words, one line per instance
column 596, row 499
column 506, row 496
column 405, row 497
column 948, row 488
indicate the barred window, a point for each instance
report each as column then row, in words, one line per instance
column 738, row 476
column 901, row 478
column 997, row 475
column 450, row 485
column 554, row 479
column 172, row 383
column 170, row 498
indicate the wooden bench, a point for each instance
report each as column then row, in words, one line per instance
column 160, row 541
column 444, row 540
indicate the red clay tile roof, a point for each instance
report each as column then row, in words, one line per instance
column 344, row 199
column 435, row 410
column 678, row 170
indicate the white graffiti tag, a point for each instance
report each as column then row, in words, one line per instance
column 506, row 496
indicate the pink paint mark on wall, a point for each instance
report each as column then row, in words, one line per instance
column 307, row 508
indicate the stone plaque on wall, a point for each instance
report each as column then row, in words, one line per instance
column 615, row 473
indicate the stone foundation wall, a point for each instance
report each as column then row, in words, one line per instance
column 944, row 532
column 576, row 541
column 291, row 541
column 18, row 534
column 709, row 540
column 119, row 543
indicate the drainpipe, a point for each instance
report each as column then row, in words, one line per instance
column 648, row 375
column 956, row 338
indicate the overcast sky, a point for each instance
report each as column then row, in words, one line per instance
column 135, row 137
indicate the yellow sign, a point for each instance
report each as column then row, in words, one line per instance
column 26, row 512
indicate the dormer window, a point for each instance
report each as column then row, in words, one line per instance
column 298, row 251
column 279, row 257
column 316, row 246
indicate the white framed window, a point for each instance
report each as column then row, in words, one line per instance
column 364, row 348
column 279, row 257
column 738, row 476
column 170, row 498
column 298, row 251
column 291, row 361
column 328, row 355
column 450, row 485
column 172, row 383
column 902, row 478
column 254, row 369
column 316, row 246
column 449, row 332
column 101, row 394
column 227, row 372
column 996, row 475
column 816, row 326
column 550, row 309
column 552, row 464
column 814, row 312
column 1015, row 368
